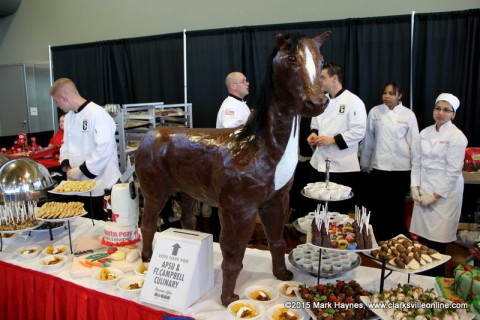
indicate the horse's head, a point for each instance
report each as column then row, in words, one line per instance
column 293, row 78
column 299, row 63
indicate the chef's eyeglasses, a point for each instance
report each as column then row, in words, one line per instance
column 242, row 81
column 444, row 110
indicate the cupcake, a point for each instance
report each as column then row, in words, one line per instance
column 342, row 244
column 352, row 245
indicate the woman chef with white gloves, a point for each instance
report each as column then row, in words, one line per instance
column 436, row 180
column 89, row 149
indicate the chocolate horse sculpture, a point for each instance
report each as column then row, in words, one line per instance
column 239, row 170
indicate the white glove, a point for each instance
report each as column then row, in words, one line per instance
column 366, row 169
column 74, row 174
column 427, row 200
column 415, row 194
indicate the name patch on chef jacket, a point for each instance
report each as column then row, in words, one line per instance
column 85, row 125
column 341, row 109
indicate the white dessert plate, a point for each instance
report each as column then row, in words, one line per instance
column 428, row 266
column 61, row 219
column 384, row 316
column 54, row 190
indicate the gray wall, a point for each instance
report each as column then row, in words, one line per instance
column 26, row 35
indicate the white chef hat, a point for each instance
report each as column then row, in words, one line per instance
column 450, row 98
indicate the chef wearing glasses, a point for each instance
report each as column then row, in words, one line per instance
column 436, row 178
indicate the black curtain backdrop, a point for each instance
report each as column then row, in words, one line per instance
column 371, row 50
column 447, row 59
column 138, row 70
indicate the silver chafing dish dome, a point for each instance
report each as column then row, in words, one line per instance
column 3, row 159
column 24, row 179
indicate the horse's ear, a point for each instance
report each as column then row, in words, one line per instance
column 281, row 41
column 322, row 38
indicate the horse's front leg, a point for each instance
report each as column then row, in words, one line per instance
column 152, row 208
column 237, row 225
column 274, row 215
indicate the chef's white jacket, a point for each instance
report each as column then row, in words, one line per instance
column 388, row 140
column 344, row 119
column 437, row 168
column 89, row 143
column 233, row 113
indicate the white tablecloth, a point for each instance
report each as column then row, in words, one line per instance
column 257, row 268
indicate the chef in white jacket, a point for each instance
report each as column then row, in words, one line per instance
column 387, row 156
column 336, row 134
column 89, row 150
column 234, row 111
column 436, row 180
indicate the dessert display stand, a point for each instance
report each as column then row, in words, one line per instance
column 69, row 218
column 327, row 183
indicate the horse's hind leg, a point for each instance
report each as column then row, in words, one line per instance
column 152, row 208
column 237, row 226
column 273, row 215
column 188, row 219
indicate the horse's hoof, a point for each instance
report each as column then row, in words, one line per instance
column 226, row 300
column 284, row 275
column 146, row 258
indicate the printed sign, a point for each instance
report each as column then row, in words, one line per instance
column 181, row 269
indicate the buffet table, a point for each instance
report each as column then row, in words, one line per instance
column 31, row 294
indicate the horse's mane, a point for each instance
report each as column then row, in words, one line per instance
column 253, row 127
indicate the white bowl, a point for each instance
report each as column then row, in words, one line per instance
column 345, row 192
column 286, row 289
column 320, row 184
column 52, row 263
column 13, row 237
column 28, row 252
column 275, row 311
column 323, row 194
column 107, row 283
column 253, row 291
column 124, row 283
column 255, row 305
column 136, row 270
column 55, row 250
column 336, row 194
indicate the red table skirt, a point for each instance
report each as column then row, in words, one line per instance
column 30, row 294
